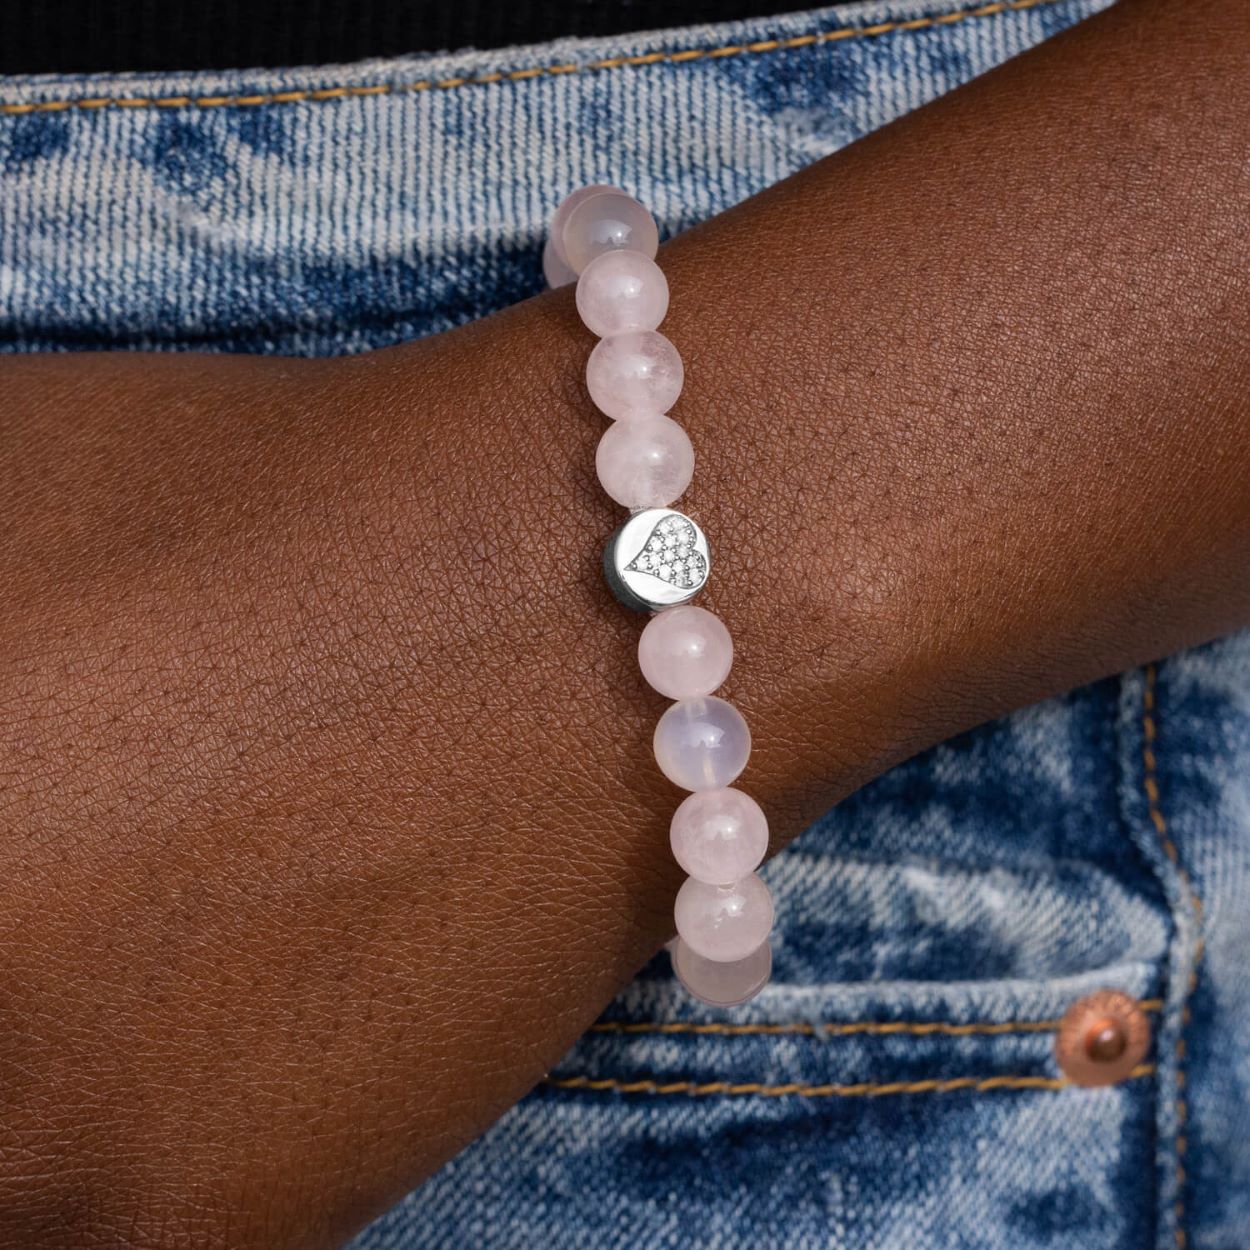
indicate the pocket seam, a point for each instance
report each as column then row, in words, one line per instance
column 863, row 1089
column 1189, row 898
column 873, row 1028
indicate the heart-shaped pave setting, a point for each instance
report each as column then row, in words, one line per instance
column 657, row 559
column 671, row 554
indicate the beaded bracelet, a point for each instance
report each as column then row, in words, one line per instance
column 656, row 562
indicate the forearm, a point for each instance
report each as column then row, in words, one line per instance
column 330, row 812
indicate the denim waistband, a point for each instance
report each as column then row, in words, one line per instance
column 332, row 209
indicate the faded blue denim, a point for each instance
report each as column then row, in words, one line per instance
column 902, row 1093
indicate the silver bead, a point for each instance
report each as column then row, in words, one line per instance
column 658, row 558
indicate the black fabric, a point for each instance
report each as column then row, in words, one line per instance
column 87, row 36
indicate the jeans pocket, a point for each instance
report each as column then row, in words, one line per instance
column 897, row 1084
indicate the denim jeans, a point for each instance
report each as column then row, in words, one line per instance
column 896, row 1086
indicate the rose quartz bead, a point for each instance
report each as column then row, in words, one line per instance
column 645, row 463
column 683, row 651
column 607, row 222
column 721, row 983
column 723, row 922
column 634, row 375
column 561, row 216
column 702, row 744
column 622, row 291
column 555, row 270
column 719, row 835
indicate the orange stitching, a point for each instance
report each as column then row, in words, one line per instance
column 884, row 1028
column 1150, row 783
column 681, row 57
column 865, row 1089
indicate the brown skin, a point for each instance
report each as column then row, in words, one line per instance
column 329, row 821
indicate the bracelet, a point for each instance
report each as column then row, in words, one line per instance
column 656, row 562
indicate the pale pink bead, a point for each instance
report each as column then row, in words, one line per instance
column 634, row 375
column 622, row 291
column 561, row 216
column 724, row 922
column 646, row 463
column 607, row 222
column 702, row 744
column 555, row 270
column 684, row 651
column 720, row 983
column 719, row 836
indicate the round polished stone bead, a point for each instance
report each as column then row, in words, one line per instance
column 719, row 836
column 685, row 651
column 722, row 983
column 645, row 463
column 634, row 375
column 607, row 222
column 702, row 744
column 724, row 922
column 561, row 216
column 555, row 270
column 620, row 292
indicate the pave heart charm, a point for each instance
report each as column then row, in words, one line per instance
column 670, row 553
column 657, row 559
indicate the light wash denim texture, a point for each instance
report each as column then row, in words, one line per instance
column 895, row 1087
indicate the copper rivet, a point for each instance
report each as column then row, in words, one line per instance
column 1102, row 1038
column 1105, row 1041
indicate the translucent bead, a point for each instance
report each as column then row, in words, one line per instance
column 561, row 216
column 555, row 270
column 684, row 651
column 634, row 375
column 622, row 291
column 645, row 463
column 702, row 744
column 724, row 922
column 719, row 835
column 607, row 222
column 720, row 983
